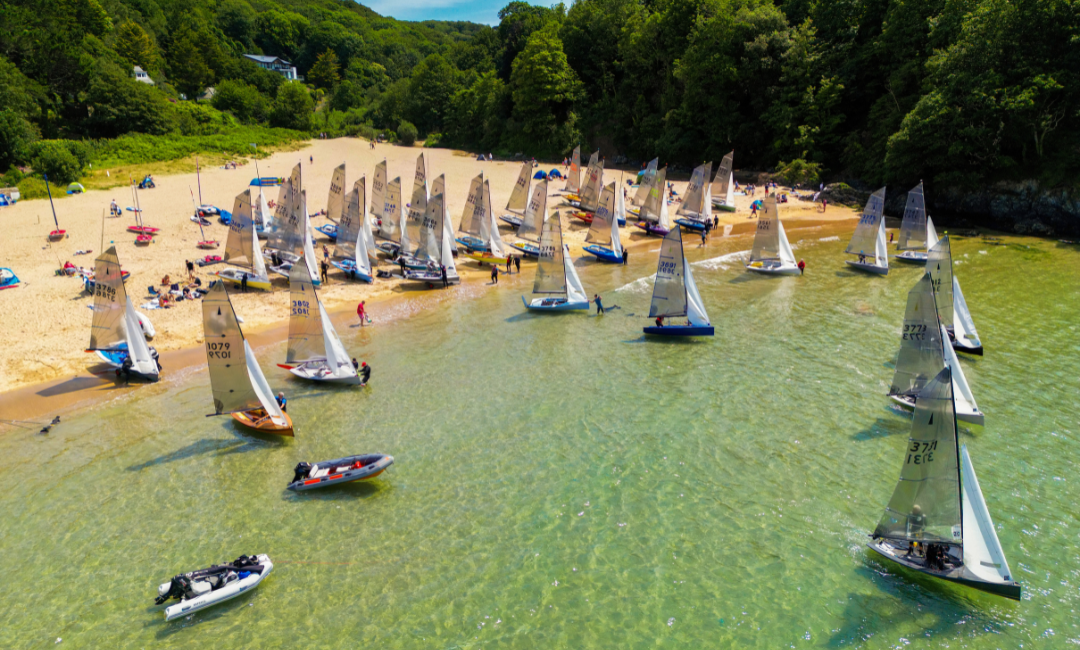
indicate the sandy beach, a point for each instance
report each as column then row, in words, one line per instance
column 48, row 318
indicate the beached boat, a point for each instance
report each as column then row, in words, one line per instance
column 917, row 233
column 695, row 211
column 937, row 522
column 438, row 235
column 556, row 279
column 8, row 279
column 267, row 181
column 351, row 251
column 335, row 203
column 58, row 234
column 290, row 232
column 675, row 294
column 470, row 225
column 239, row 387
column 532, row 222
column 242, row 249
column 197, row 590
column 315, row 351
column 519, row 197
column 771, row 254
column 603, row 235
column 392, row 223
column 869, row 236
column 653, row 216
column 310, row 476
column 924, row 351
column 589, row 198
column 483, row 222
column 418, row 246
column 722, row 190
column 115, row 332
column 645, row 181
column 573, row 175
column 952, row 310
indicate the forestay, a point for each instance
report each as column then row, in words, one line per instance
column 722, row 185
column 519, row 196
column 107, row 329
column 335, row 201
column 306, row 341
column 533, row 220
column 378, row 189
column 921, row 352
column 864, row 240
column 573, row 176
column 550, row 271
column 694, row 203
column 925, row 505
column 913, row 227
column 939, row 266
column 646, row 181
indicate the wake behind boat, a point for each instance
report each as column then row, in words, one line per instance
column 556, row 277
column 309, row 476
column 197, row 590
column 869, row 235
column 675, row 294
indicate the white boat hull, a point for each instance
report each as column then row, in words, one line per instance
column 912, row 257
column 868, row 267
column 321, row 373
column 558, row 304
column 773, row 268
column 971, row 417
column 228, row 592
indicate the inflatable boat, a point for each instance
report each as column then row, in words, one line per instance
column 308, row 476
column 204, row 588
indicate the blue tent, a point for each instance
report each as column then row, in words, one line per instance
column 540, row 174
column 555, row 173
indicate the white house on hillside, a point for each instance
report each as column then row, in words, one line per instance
column 274, row 63
column 140, row 75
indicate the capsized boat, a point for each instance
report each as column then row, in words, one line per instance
column 603, row 235
column 197, row 590
column 115, row 332
column 532, row 223
column 952, row 310
column 484, row 218
column 675, row 294
column 556, row 277
column 315, row 352
column 238, row 384
column 937, row 521
column 923, row 352
column 653, row 215
column 917, row 234
column 869, row 235
column 695, row 212
column 722, row 190
column 519, row 197
column 437, row 235
column 351, row 251
column 310, row 476
column 771, row 254
column 242, row 248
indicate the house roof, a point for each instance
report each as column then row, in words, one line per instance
column 138, row 69
column 260, row 58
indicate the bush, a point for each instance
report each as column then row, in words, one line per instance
column 799, row 172
column 433, row 140
column 293, row 107
column 407, row 133
column 17, row 136
column 53, row 157
column 242, row 100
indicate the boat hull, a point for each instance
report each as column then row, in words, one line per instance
column 960, row 346
column 366, row 472
column 349, row 267
column 978, row 417
column 235, row 278
column 958, row 575
column 652, row 228
column 432, row 280
column 911, row 257
column 473, row 244
column 330, row 230
column 723, row 207
column 228, row 592
column 680, row 330
column 691, row 224
column 481, row 258
column 314, row 372
column 512, row 219
column 778, row 269
column 866, row 267
column 531, row 251
column 554, row 304
column 258, row 421
column 604, row 254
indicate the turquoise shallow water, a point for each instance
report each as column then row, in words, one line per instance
column 560, row 482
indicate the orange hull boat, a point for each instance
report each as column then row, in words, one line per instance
column 260, row 421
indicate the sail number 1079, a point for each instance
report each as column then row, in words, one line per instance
column 218, row 351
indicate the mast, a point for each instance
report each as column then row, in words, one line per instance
column 198, row 178
column 53, row 207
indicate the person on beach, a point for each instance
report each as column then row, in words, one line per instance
column 625, row 255
column 361, row 313
column 704, row 236
column 311, row 159
column 824, row 203
column 445, row 281
column 401, row 263
column 599, row 304
column 325, row 252
column 324, row 267
column 243, row 282
column 517, row 263
column 509, row 263
column 802, row 267
column 494, row 274
column 114, row 209
column 365, row 373
column 190, row 269
column 280, row 399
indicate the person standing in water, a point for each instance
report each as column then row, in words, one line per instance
column 599, row 304
column 360, row 313
column 365, row 373
column 802, row 267
column 517, row 263
column 445, row 281
column 509, row 264
column 494, row 274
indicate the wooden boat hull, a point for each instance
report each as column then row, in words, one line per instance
column 912, row 257
column 604, row 254
column 554, row 304
column 680, row 330
column 779, row 269
column 262, row 423
column 372, row 466
column 528, row 250
column 349, row 267
column 867, row 267
column 978, row 417
column 958, row 575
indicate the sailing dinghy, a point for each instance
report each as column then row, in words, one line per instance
column 484, row 218
column 242, row 248
column 472, row 218
column 309, row 476
column 197, row 590
column 603, row 235
column 415, row 253
column 923, row 353
column 116, row 334
column 870, row 236
column 772, row 253
column 438, row 247
column 519, row 197
column 646, row 178
column 532, row 223
column 952, row 307
column 937, row 522
column 573, row 176
column 239, row 387
column 654, row 216
column 675, row 294
column 723, row 185
column 315, row 352
column 391, row 223
column 556, row 277
column 351, row 250
column 917, row 234
column 695, row 212
column 335, row 203
column 589, row 196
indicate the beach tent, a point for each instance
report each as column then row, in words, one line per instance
column 555, row 173
column 540, row 175
column 4, row 201
column 75, row 188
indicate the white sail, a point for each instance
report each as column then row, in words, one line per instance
column 574, row 291
column 309, row 246
column 966, row 408
column 498, row 247
column 594, row 183
column 363, row 262
column 532, row 223
column 472, row 217
column 881, row 251
column 723, row 183
column 864, row 239
column 420, row 179
column 573, row 175
column 447, row 242
column 413, row 226
column 664, row 220
column 262, row 388
column 646, row 182
column 519, row 196
column 391, row 211
column 604, row 228
column 787, row 256
column 983, row 555
column 963, row 325
column 138, row 350
column 695, row 308
column 620, row 214
column 337, row 358
column 931, row 233
column 378, row 188
column 335, row 200
column 694, row 203
column 266, row 215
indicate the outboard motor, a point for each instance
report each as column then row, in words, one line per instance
column 179, row 587
column 301, row 471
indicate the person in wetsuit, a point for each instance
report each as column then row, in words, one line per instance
column 365, row 373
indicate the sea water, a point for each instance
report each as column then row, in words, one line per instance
column 562, row 482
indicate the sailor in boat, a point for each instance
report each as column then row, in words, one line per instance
column 659, row 321
column 281, row 402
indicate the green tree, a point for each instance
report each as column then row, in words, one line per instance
column 280, row 32
column 55, row 159
column 134, row 46
column 293, row 107
column 117, row 104
column 16, row 138
column 517, row 22
column 188, row 68
column 242, row 100
column 544, row 88
column 238, row 20
column 477, row 115
column 407, row 133
column 367, row 74
column 324, row 74
column 432, row 84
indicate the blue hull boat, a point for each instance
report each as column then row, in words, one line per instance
column 604, row 254
column 691, row 224
column 474, row 244
column 330, row 230
column 224, row 217
column 554, row 304
column 528, row 250
column 349, row 267
column 680, row 330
